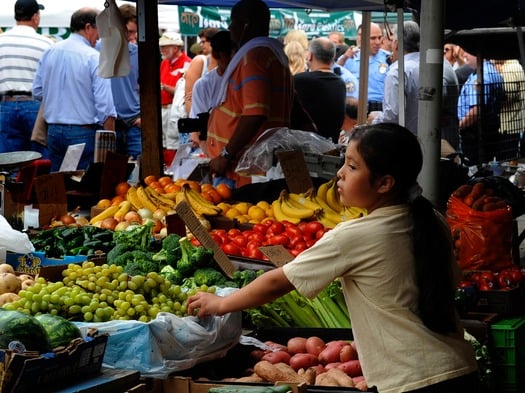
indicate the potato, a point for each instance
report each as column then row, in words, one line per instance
column 257, row 354
column 347, row 353
column 332, row 365
column 325, row 380
column 331, row 353
column 271, row 373
column 9, row 282
column 314, row 345
column 341, row 377
column 277, row 346
column 6, row 268
column 27, row 283
column 352, row 368
column 362, row 386
column 23, row 277
column 8, row 297
column 296, row 345
column 303, row 360
column 277, row 357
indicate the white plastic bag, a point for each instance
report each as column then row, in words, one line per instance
column 13, row 240
column 168, row 343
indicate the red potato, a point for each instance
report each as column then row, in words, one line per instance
column 332, row 365
column 347, row 353
column 314, row 345
column 319, row 369
column 352, row 368
column 277, row 357
column 330, row 354
column 303, row 360
column 296, row 345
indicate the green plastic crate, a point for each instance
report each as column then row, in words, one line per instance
column 508, row 354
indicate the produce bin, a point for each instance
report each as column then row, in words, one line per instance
column 508, row 302
column 187, row 385
column 508, row 354
column 24, row 373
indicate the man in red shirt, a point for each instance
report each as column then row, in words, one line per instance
column 174, row 63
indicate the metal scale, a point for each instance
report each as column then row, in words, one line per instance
column 11, row 205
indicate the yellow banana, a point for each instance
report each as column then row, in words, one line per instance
column 108, row 212
column 332, row 198
column 159, row 200
column 296, row 211
column 172, row 195
column 124, row 207
column 351, row 213
column 303, row 200
column 200, row 205
column 326, row 220
column 280, row 216
column 323, row 189
column 145, row 200
column 180, row 197
column 132, row 196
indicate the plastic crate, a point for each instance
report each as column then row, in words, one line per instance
column 508, row 354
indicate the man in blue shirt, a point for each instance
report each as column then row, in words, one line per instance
column 77, row 102
column 378, row 65
column 470, row 111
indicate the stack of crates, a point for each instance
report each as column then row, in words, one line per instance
column 508, row 354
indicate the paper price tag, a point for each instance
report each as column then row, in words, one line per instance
column 278, row 255
column 184, row 211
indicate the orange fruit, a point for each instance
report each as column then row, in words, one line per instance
column 172, row 187
column 149, row 179
column 122, row 188
column 206, row 187
column 155, row 184
column 165, row 180
column 224, row 191
column 214, row 196
column 104, row 203
column 115, row 201
column 232, row 213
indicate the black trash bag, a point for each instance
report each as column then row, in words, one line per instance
column 506, row 190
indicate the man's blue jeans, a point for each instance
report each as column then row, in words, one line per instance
column 17, row 119
column 60, row 136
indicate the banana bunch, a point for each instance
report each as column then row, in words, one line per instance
column 198, row 203
column 286, row 208
column 106, row 213
column 160, row 200
column 325, row 202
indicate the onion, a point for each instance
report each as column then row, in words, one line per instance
column 145, row 213
column 109, row 223
column 67, row 219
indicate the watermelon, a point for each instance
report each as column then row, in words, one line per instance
column 18, row 326
column 59, row 330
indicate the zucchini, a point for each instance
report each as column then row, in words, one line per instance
column 251, row 389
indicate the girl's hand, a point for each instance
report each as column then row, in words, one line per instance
column 206, row 304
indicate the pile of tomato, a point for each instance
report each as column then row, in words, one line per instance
column 295, row 238
column 487, row 280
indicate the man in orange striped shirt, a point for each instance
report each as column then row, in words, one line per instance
column 257, row 93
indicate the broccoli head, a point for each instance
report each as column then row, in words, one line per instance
column 209, row 276
column 138, row 238
column 244, row 277
column 172, row 275
column 170, row 252
column 192, row 257
column 137, row 262
column 113, row 257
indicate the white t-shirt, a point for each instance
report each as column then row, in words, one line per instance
column 204, row 91
column 374, row 257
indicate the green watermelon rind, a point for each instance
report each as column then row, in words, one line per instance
column 60, row 331
column 18, row 326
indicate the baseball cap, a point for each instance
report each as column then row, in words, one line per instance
column 171, row 38
column 26, row 8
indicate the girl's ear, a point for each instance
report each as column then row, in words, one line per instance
column 386, row 184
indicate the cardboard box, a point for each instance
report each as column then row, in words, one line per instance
column 177, row 384
column 23, row 373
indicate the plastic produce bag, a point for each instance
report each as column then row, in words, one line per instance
column 168, row 343
column 13, row 240
column 259, row 157
column 482, row 240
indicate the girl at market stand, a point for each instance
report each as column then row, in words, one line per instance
column 396, row 267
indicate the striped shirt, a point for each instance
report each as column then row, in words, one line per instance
column 20, row 50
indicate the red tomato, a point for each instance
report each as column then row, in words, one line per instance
column 287, row 223
column 293, row 231
column 260, row 228
column 253, row 244
column 319, row 234
column 195, row 242
column 276, row 228
column 278, row 240
column 516, row 275
column 313, row 227
column 232, row 232
column 310, row 243
column 216, row 238
column 255, row 253
column 295, row 252
column 301, row 246
column 240, row 240
column 294, row 240
column 231, row 249
column 256, row 236
column 302, row 226
column 268, row 223
column 220, row 233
